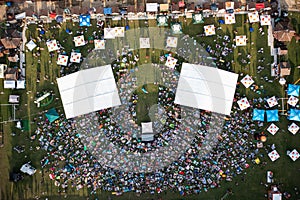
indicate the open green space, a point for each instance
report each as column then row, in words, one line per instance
column 246, row 186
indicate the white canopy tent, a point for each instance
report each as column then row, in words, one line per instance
column 79, row 41
column 109, row 33
column 273, row 129
column 243, row 103
column 172, row 42
column 62, row 60
column 119, row 31
column 272, row 101
column 293, row 128
column 209, row 30
column 21, row 84
column 9, row 84
column 240, row 40
column 30, row 45
column 247, row 81
column 75, row 57
column 265, row 20
column 229, row 18
column 52, row 45
column 171, row 62
column 273, row 155
column 206, row 88
column 13, row 98
column 99, row 44
column 151, row 7
column 253, row 17
column 292, row 101
column 88, row 91
column 294, row 155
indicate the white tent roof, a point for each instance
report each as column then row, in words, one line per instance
column 30, row 45
column 171, row 62
column 294, row 155
column 229, row 18
column 206, row 88
column 240, row 40
column 88, row 91
column 273, row 155
column 119, row 31
column 247, row 81
column 265, row 20
column 9, row 84
column 292, row 101
column 21, row 84
column 52, row 45
column 99, row 44
column 293, row 128
column 272, row 101
column 253, row 17
column 79, row 41
column 109, row 33
column 243, row 103
column 172, row 42
column 13, row 99
column 209, row 30
column 273, row 129
column 277, row 196
column 151, row 7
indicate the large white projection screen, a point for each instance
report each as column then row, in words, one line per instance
column 206, row 88
column 88, row 90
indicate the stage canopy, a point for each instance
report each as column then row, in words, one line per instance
column 293, row 90
column 258, row 115
column 206, row 88
column 272, row 116
column 88, row 91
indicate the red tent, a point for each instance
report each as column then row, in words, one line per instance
column 259, row 6
column 52, row 15
column 181, row 4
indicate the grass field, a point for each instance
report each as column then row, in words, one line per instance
column 285, row 170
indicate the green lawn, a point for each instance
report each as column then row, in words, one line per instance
column 285, row 170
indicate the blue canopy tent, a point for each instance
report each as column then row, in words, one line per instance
column 52, row 115
column 221, row 21
column 293, row 90
column 294, row 115
column 258, row 115
column 59, row 19
column 272, row 116
column 251, row 29
column 107, row 11
column 42, row 32
column 84, row 20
